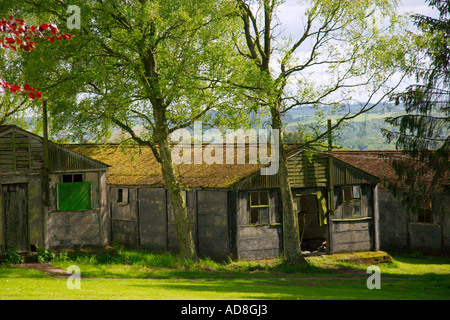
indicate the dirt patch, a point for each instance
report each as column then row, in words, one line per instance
column 46, row 268
column 362, row 258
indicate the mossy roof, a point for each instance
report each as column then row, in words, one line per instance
column 137, row 166
column 379, row 164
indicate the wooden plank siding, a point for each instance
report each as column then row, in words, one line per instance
column 21, row 162
column 15, row 152
column 309, row 171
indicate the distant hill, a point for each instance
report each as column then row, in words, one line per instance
column 362, row 133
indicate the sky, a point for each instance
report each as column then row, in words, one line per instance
column 290, row 18
column 290, row 11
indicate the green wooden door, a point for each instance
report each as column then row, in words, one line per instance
column 16, row 216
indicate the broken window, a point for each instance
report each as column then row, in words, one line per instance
column 351, row 193
column 73, row 193
column 259, row 207
column 351, row 197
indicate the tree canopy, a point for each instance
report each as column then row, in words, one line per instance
column 422, row 132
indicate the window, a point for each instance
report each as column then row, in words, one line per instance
column 122, row 196
column 424, row 214
column 259, row 207
column 73, row 194
column 351, row 202
column 69, row 178
column 351, row 193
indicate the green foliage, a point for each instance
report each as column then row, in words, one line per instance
column 422, row 131
column 11, row 256
column 45, row 255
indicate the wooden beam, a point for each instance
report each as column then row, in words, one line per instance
column 376, row 219
column 46, row 158
column 330, row 190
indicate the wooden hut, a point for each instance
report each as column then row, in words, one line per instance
column 234, row 210
column 417, row 227
column 59, row 203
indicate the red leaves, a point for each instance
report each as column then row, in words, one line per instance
column 20, row 36
column 27, row 89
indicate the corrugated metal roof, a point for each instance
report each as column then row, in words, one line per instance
column 64, row 159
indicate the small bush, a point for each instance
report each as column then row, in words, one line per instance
column 61, row 257
column 45, row 255
column 11, row 256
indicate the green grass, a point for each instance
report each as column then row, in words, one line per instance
column 134, row 274
column 143, row 264
column 220, row 289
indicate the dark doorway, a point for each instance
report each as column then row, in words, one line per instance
column 312, row 233
column 16, row 216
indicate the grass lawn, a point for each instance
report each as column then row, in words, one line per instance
column 133, row 274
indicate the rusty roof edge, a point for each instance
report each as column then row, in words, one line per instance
column 359, row 169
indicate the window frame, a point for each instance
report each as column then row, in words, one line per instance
column 352, row 189
column 125, row 196
column 425, row 212
column 353, row 201
column 72, row 175
column 258, row 207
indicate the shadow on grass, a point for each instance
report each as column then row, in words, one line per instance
column 420, row 258
column 284, row 289
column 320, row 289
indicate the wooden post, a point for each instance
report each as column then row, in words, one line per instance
column 46, row 157
column 330, row 189
column 376, row 219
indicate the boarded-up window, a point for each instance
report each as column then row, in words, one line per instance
column 74, row 196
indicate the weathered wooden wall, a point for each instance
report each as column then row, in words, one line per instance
column 147, row 220
column 355, row 233
column 153, row 222
column 212, row 223
column 21, row 163
column 401, row 231
column 68, row 229
column 258, row 241
column 352, row 236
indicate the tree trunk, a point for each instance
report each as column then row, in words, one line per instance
column 291, row 241
column 182, row 221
